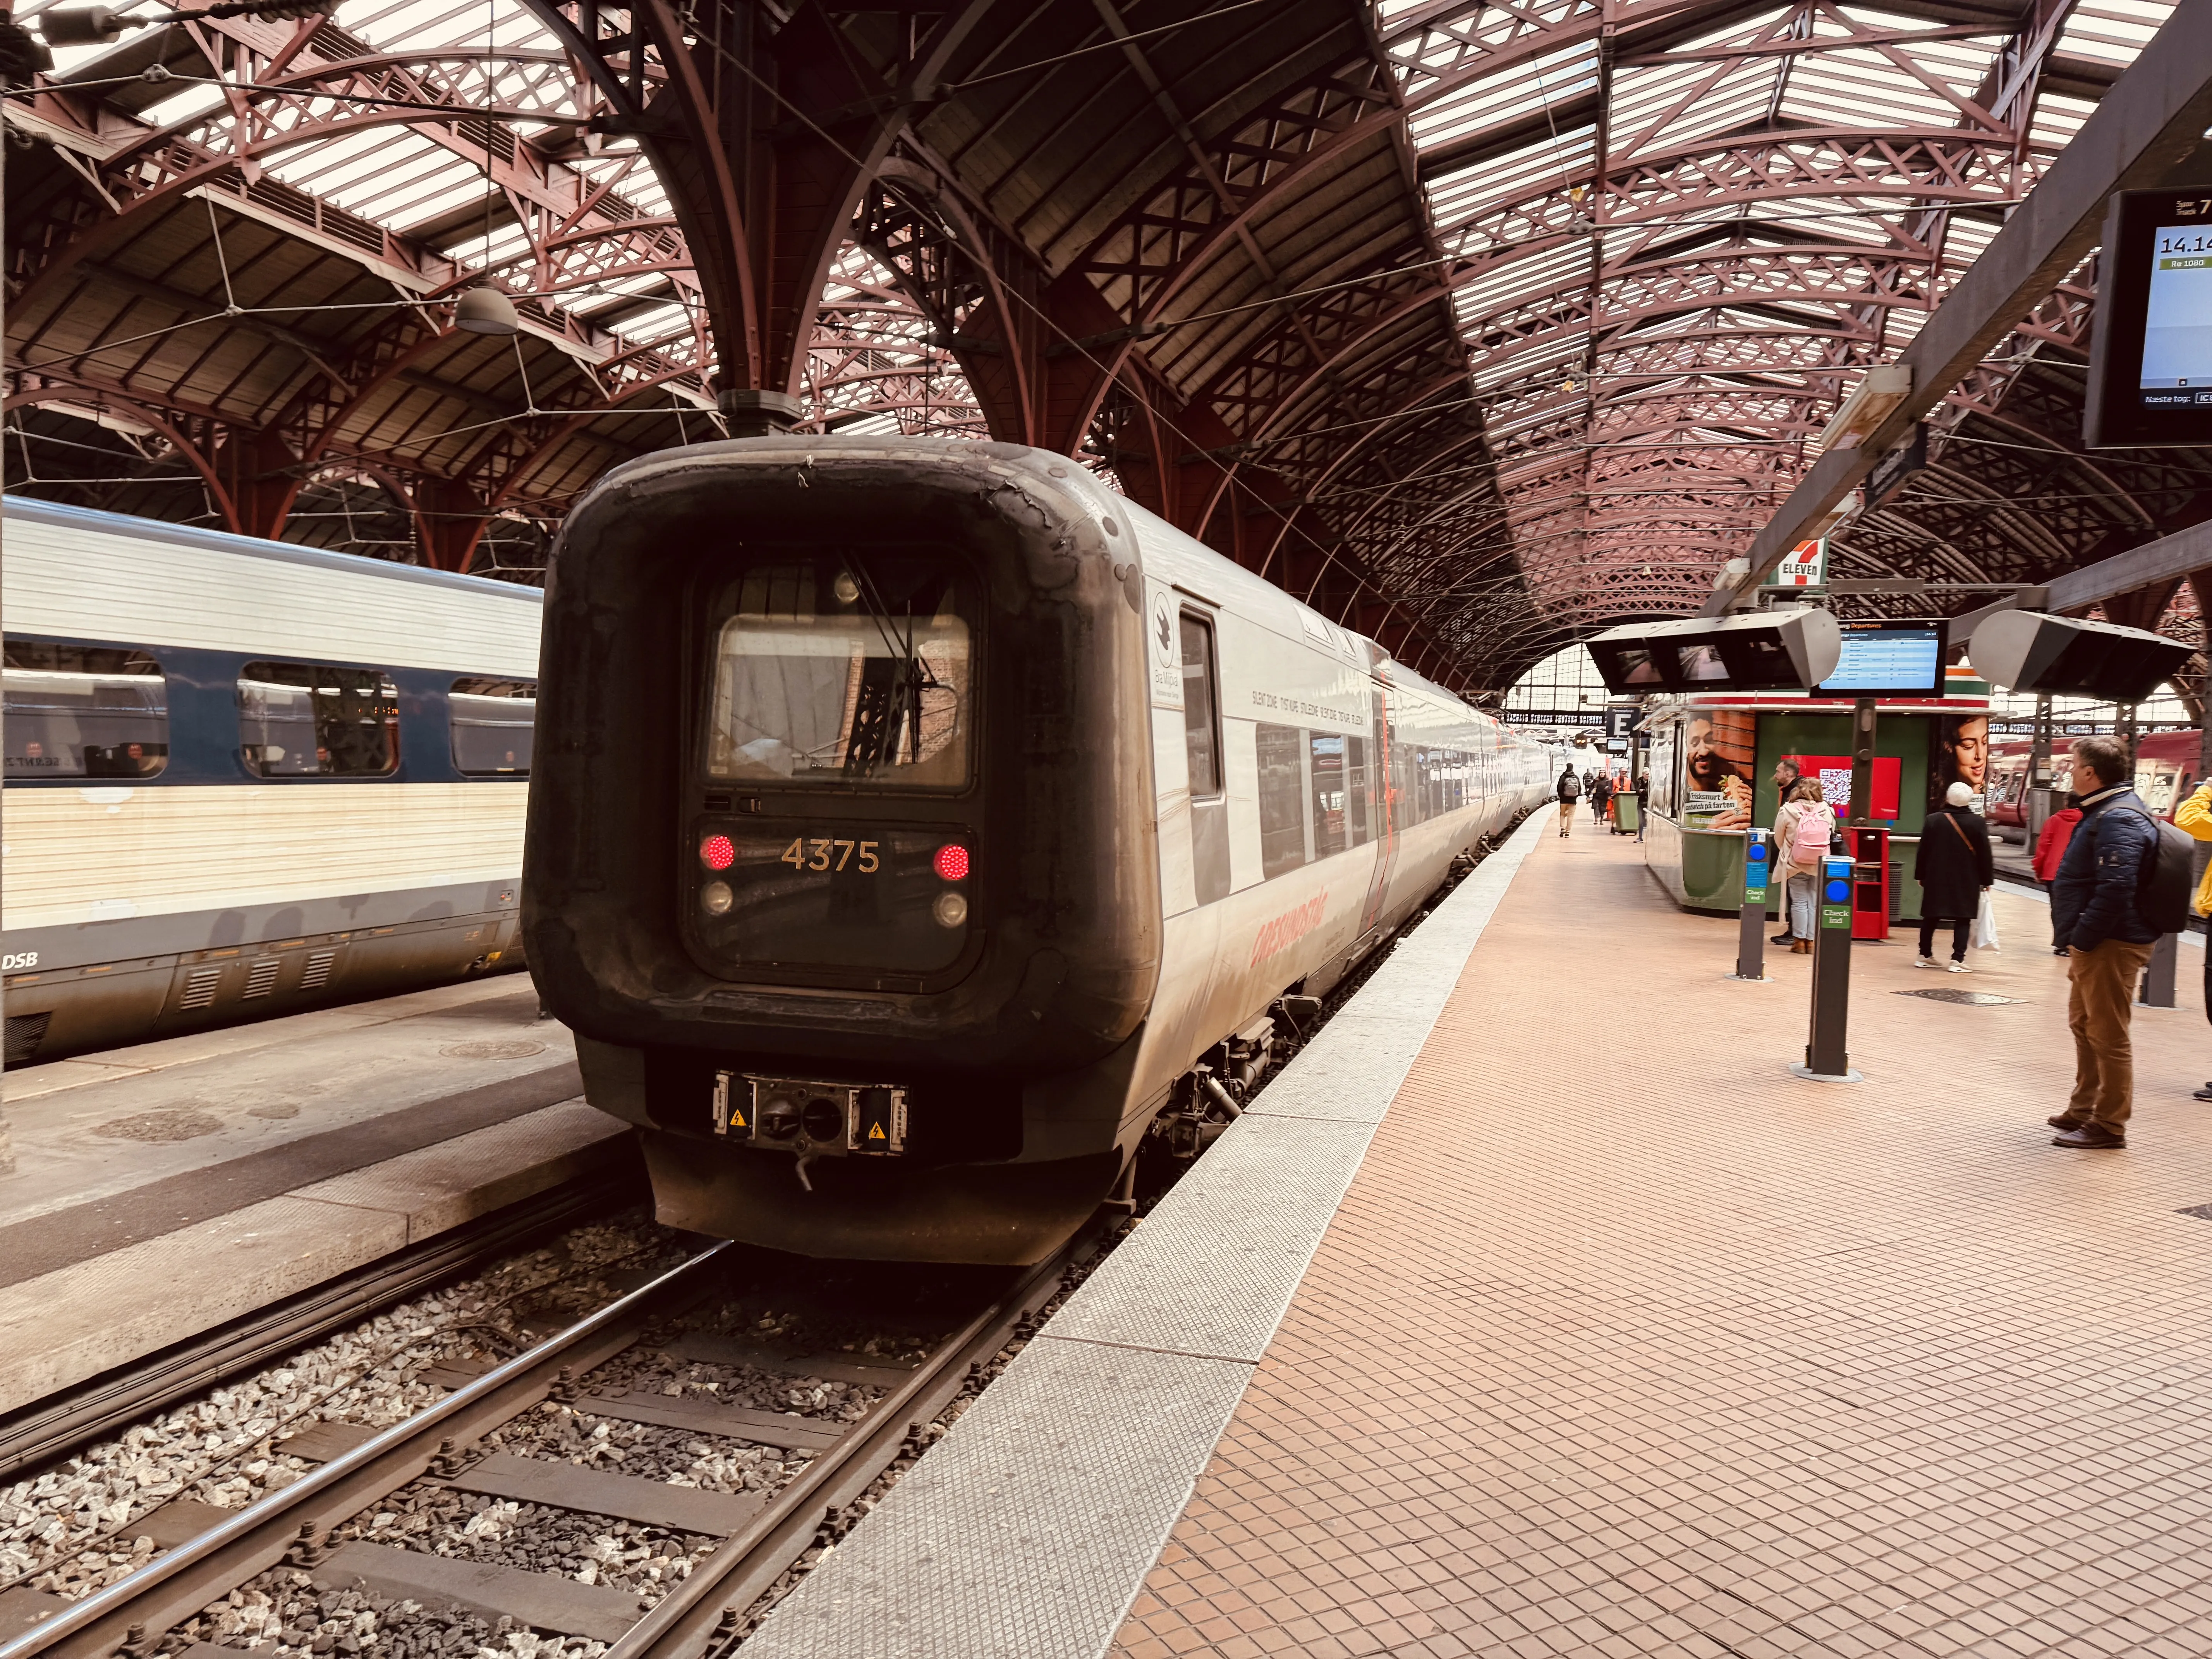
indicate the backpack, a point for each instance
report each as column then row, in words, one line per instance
column 1808, row 841
column 2167, row 882
column 1570, row 787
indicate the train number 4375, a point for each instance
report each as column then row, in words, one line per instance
column 805, row 854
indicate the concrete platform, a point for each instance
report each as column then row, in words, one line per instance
column 1621, row 1340
column 162, row 1190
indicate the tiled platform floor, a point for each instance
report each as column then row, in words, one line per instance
column 1626, row 1342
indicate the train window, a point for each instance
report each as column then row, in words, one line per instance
column 493, row 722
column 304, row 719
column 1326, row 753
column 1202, row 733
column 1355, row 790
column 84, row 711
column 1282, row 800
column 844, row 670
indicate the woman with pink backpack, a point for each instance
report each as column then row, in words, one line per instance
column 1803, row 829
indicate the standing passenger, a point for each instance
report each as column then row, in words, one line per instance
column 1802, row 832
column 1644, row 806
column 2194, row 815
column 2057, row 831
column 1955, row 868
column 1569, row 791
column 2095, row 917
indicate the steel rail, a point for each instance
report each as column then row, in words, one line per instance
column 179, row 1583
column 47, row 1428
column 694, row 1617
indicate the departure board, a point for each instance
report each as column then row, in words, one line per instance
column 1889, row 660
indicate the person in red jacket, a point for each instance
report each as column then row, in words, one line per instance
column 2050, row 844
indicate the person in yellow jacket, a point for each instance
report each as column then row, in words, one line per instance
column 2194, row 815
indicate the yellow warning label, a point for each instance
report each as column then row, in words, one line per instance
column 875, row 1132
column 738, row 1117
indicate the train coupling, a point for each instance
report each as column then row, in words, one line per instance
column 811, row 1117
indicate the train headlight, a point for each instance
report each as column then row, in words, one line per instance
column 950, row 909
column 715, row 898
column 845, row 588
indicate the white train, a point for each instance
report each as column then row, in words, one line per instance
column 919, row 828
column 243, row 777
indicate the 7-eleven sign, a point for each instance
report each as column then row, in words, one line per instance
column 1805, row 566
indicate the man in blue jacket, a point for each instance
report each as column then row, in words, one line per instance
column 2095, row 917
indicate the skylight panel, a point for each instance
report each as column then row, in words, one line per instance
column 2111, row 31
column 1488, row 190
column 1554, row 79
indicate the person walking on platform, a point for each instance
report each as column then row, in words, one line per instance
column 1643, row 802
column 1570, row 791
column 1601, row 798
column 1953, row 866
column 1802, row 832
column 2096, row 916
column 2194, row 815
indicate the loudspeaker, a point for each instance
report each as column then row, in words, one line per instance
column 2028, row 650
column 1766, row 651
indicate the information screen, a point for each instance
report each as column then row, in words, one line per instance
column 1889, row 659
column 2177, row 349
column 2150, row 356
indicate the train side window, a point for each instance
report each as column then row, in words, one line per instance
column 1282, row 800
column 84, row 711
column 301, row 719
column 1355, row 790
column 1202, row 689
column 493, row 722
column 1325, row 751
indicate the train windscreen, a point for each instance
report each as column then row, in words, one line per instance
column 844, row 671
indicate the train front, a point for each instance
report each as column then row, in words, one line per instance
column 841, row 860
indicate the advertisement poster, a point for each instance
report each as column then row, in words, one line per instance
column 1834, row 773
column 1961, row 756
column 1717, row 756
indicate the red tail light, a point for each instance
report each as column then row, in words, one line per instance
column 952, row 863
column 717, row 852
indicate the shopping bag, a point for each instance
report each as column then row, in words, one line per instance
column 1985, row 925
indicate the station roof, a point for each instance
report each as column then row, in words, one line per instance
column 1480, row 326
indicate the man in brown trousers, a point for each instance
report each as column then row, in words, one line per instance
column 2096, row 918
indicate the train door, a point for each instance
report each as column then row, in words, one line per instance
column 1382, row 808
column 1201, row 725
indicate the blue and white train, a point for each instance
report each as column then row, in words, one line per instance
column 245, row 778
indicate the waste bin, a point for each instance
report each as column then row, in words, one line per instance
column 1624, row 814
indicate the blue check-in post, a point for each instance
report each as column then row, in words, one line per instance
column 1826, row 1057
column 1751, row 918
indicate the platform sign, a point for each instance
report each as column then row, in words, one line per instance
column 1836, row 893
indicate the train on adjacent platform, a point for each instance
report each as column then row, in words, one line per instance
column 918, row 827
column 2168, row 766
column 246, row 778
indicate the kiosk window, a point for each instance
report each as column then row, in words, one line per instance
column 84, row 711
column 1202, row 733
column 493, row 721
column 303, row 719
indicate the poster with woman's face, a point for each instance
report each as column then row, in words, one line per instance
column 1716, row 759
column 1962, row 755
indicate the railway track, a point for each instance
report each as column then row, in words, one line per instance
column 756, row 1537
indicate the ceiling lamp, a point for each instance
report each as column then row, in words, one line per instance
column 486, row 311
